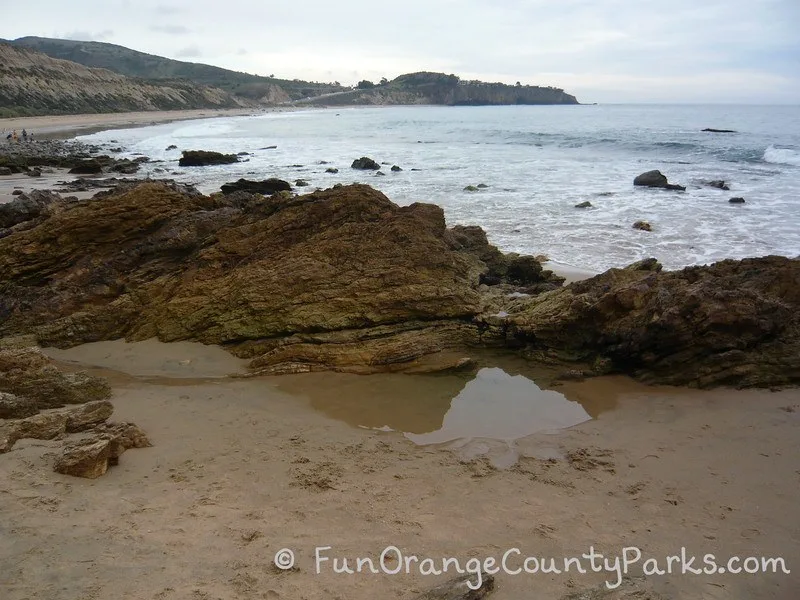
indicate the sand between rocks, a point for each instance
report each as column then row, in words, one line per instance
column 241, row 468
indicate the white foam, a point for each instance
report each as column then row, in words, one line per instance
column 782, row 156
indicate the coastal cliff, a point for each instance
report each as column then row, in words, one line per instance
column 32, row 83
column 448, row 90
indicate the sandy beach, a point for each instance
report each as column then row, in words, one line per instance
column 241, row 468
column 67, row 126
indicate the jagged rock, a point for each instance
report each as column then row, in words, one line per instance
column 126, row 435
column 656, row 179
column 737, row 200
column 91, row 456
column 731, row 323
column 44, row 426
column 202, row 158
column 126, row 167
column 365, row 163
column 16, row 407
column 171, row 147
column 27, row 372
column 26, row 207
column 17, row 193
column 585, row 204
column 301, row 183
column 643, row 226
column 719, row 184
column 87, row 458
column 88, row 415
column 471, row 188
column 380, row 174
column 396, row 168
column 331, row 170
column 344, row 261
column 460, row 588
column 266, row 187
column 87, row 167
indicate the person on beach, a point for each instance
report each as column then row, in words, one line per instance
column 24, row 135
column 14, row 136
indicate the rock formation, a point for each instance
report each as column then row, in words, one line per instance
column 656, row 179
column 203, row 158
column 32, row 385
column 365, row 163
column 731, row 323
column 266, row 187
column 344, row 279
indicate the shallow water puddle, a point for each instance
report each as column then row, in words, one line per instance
column 500, row 406
column 490, row 406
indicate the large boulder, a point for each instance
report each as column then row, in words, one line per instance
column 267, row 187
column 156, row 262
column 656, row 179
column 16, row 407
column 203, row 158
column 731, row 323
column 366, row 164
column 91, row 166
column 26, row 207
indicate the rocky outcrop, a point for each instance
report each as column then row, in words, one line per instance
column 27, row 372
column 344, row 279
column 366, row 164
column 656, row 179
column 439, row 88
column 260, row 275
column 731, row 323
column 266, row 187
column 16, row 407
column 203, row 158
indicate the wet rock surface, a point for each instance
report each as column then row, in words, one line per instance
column 344, row 279
column 656, row 179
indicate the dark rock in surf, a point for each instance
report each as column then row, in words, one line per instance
column 202, row 158
column 87, row 167
column 586, row 204
column 712, row 130
column 719, row 184
column 736, row 200
column 267, row 187
column 656, row 179
column 365, row 164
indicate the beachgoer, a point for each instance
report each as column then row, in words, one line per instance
column 14, row 136
column 25, row 135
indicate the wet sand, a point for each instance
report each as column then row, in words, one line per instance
column 241, row 468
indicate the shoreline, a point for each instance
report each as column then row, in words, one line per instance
column 69, row 126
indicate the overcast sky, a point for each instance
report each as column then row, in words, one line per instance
column 600, row 50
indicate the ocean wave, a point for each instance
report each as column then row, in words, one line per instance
column 782, row 156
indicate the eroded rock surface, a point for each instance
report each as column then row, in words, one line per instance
column 731, row 323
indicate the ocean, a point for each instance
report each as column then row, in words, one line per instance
column 537, row 162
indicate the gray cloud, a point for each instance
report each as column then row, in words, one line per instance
column 171, row 29
column 601, row 50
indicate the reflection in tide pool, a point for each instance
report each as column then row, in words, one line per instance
column 500, row 406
